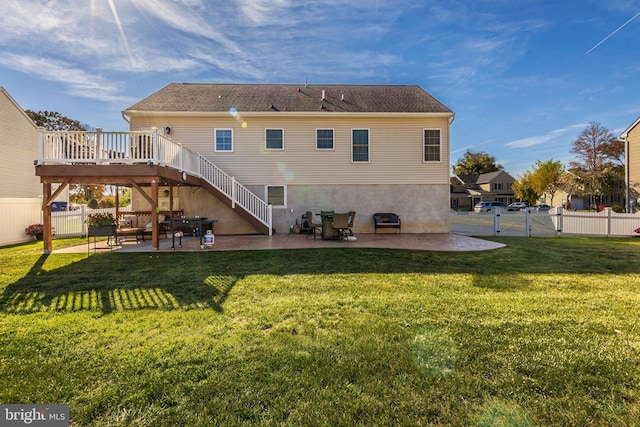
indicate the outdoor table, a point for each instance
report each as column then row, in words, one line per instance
column 196, row 224
column 328, row 233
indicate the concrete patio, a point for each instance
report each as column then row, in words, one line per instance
column 423, row 242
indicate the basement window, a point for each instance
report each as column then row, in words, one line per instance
column 276, row 195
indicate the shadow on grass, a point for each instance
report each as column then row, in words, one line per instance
column 115, row 283
column 165, row 281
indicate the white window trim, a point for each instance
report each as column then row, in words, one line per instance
column 215, row 141
column 334, row 140
column 368, row 146
column 423, row 147
column 265, row 139
column 266, row 195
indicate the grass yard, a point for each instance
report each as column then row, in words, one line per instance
column 542, row 332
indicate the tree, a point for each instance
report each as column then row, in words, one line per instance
column 597, row 153
column 125, row 197
column 476, row 163
column 524, row 190
column 546, row 178
column 52, row 120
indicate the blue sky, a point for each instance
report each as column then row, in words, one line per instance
column 523, row 77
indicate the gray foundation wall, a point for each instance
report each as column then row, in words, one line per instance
column 422, row 208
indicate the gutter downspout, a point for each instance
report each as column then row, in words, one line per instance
column 627, row 183
column 125, row 119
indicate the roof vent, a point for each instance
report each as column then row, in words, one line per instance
column 273, row 107
column 323, row 94
column 342, row 97
column 322, row 107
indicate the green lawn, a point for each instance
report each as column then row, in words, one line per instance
column 542, row 332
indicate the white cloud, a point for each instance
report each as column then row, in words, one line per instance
column 264, row 12
column 185, row 19
column 543, row 139
column 80, row 83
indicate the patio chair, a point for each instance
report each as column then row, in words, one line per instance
column 312, row 226
column 341, row 225
column 352, row 217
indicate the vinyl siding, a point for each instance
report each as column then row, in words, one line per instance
column 395, row 148
column 634, row 159
column 18, row 150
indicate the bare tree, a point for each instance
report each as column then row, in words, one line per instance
column 595, row 154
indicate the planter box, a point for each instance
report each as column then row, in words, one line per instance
column 109, row 230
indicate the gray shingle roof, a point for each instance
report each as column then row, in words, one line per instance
column 488, row 177
column 203, row 97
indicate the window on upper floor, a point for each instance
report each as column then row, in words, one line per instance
column 360, row 145
column 432, row 145
column 276, row 195
column 324, row 139
column 497, row 186
column 274, row 139
column 224, row 139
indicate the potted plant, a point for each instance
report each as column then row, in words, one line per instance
column 35, row 230
column 101, row 224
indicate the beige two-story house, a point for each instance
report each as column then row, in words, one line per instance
column 310, row 148
column 20, row 197
column 631, row 138
column 467, row 190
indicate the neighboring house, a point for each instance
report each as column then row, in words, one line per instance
column 467, row 190
column 21, row 196
column 574, row 196
column 631, row 139
column 310, row 148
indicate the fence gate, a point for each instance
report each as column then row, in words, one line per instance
column 555, row 222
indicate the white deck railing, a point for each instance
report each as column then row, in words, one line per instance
column 84, row 147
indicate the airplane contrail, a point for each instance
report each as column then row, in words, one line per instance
column 121, row 30
column 617, row 29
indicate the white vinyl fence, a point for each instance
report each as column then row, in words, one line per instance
column 73, row 223
column 528, row 223
column 556, row 222
column 16, row 215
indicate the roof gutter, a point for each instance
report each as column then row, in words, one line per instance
column 124, row 116
column 139, row 113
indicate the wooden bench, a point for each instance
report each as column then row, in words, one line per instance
column 387, row 220
column 134, row 223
